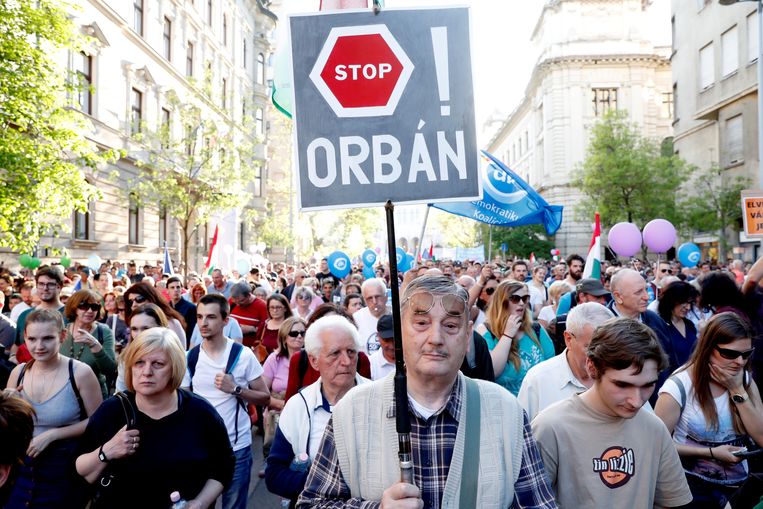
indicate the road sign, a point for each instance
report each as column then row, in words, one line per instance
column 752, row 212
column 384, row 107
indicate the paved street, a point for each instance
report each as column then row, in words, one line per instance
column 259, row 496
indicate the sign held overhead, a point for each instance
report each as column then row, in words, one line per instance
column 384, row 107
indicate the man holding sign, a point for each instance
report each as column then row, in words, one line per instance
column 358, row 462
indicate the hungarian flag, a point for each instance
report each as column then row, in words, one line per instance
column 593, row 260
column 214, row 253
column 532, row 259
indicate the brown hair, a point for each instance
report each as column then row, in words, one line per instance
column 283, row 332
column 45, row 316
column 721, row 329
column 282, row 300
column 620, row 343
column 80, row 296
column 153, row 296
column 498, row 315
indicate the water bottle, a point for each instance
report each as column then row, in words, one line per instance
column 300, row 463
column 177, row 502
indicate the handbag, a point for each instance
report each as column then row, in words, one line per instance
column 105, row 487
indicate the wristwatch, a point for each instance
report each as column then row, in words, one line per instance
column 102, row 455
column 740, row 398
column 238, row 390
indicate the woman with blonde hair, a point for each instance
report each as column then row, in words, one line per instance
column 156, row 431
column 516, row 344
column 555, row 292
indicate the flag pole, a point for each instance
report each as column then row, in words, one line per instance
column 402, row 422
column 421, row 237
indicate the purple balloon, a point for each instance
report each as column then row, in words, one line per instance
column 625, row 239
column 659, row 235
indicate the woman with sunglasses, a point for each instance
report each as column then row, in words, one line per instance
column 141, row 293
column 712, row 407
column 291, row 339
column 113, row 320
column 303, row 297
column 87, row 340
column 516, row 344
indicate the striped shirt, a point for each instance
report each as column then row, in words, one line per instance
column 432, row 443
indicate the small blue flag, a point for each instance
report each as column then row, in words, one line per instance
column 507, row 201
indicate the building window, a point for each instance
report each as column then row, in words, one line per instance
column 243, row 53
column 734, row 140
column 675, row 101
column 81, row 228
column 167, row 37
column 209, row 12
column 85, row 78
column 259, row 122
column 257, row 181
column 225, row 30
column 260, row 69
column 136, row 111
column 752, row 37
column 224, row 92
column 667, row 104
column 730, row 51
column 163, row 225
column 166, row 133
column 189, row 60
column 241, row 236
column 604, row 99
column 706, row 67
column 133, row 221
column 138, row 16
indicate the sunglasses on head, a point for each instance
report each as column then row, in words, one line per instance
column 490, row 291
column 296, row 333
column 422, row 303
column 516, row 298
column 84, row 306
column 728, row 353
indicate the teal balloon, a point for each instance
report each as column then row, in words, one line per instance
column 403, row 262
column 25, row 261
column 242, row 266
column 368, row 272
column 369, row 258
column 339, row 264
column 689, row 254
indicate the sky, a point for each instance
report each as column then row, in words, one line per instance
column 502, row 55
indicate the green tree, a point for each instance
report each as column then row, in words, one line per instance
column 454, row 230
column 520, row 241
column 626, row 176
column 348, row 230
column 43, row 154
column 206, row 170
column 712, row 204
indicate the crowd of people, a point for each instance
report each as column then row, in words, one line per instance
column 529, row 385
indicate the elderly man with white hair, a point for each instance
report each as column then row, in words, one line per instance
column 562, row 376
column 374, row 293
column 332, row 345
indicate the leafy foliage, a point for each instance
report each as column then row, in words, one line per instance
column 520, row 241
column 626, row 176
column 42, row 151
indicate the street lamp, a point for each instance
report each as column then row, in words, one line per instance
column 760, row 82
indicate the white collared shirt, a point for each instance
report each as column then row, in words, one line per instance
column 380, row 366
column 546, row 383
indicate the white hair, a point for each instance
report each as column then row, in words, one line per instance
column 336, row 325
column 374, row 281
column 590, row 313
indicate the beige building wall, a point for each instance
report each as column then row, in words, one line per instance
column 586, row 49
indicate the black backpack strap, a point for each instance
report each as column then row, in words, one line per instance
column 536, row 330
column 233, row 356
column 82, row 410
column 193, row 359
column 129, row 411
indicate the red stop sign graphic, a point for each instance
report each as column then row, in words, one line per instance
column 361, row 71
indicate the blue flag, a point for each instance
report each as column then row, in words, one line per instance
column 507, row 200
column 167, row 269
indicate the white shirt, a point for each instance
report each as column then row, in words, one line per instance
column 380, row 366
column 246, row 370
column 366, row 323
column 546, row 383
column 537, row 297
column 18, row 309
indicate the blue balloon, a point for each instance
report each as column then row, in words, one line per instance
column 243, row 266
column 369, row 258
column 368, row 272
column 403, row 262
column 689, row 254
column 411, row 261
column 339, row 264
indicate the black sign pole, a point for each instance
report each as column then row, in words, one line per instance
column 402, row 422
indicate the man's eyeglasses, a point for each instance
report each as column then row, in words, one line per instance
column 296, row 333
column 47, row 285
column 84, row 306
column 728, row 353
column 422, row 303
column 516, row 298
